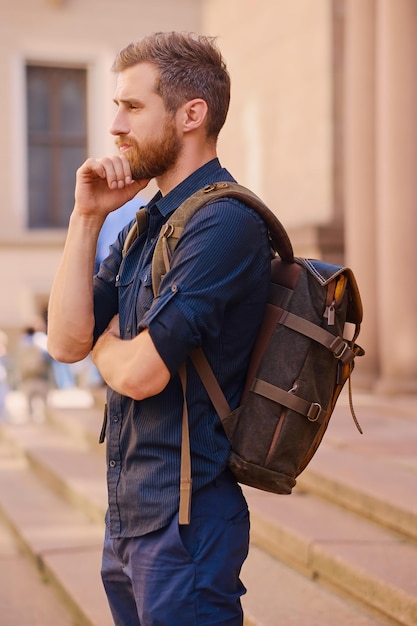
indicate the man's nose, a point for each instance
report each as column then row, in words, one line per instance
column 119, row 125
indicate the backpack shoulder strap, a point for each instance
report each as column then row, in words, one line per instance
column 279, row 238
column 172, row 230
column 167, row 241
column 138, row 227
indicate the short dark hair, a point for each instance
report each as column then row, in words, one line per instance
column 190, row 66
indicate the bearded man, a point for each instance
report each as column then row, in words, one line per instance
column 172, row 97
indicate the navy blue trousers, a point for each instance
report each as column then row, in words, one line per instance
column 183, row 575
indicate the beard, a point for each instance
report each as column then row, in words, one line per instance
column 155, row 156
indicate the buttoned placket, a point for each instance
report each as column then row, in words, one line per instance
column 115, row 408
column 114, row 461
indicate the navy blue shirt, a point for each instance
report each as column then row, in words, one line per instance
column 213, row 297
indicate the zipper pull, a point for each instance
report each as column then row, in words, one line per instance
column 330, row 313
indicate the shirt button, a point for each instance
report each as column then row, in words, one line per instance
column 112, row 463
column 174, row 288
column 128, row 329
column 115, row 418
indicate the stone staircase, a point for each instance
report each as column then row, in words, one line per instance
column 342, row 549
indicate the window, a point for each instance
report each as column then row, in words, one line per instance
column 57, row 140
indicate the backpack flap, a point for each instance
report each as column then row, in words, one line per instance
column 325, row 273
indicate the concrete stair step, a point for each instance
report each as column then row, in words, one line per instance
column 64, row 543
column 67, row 467
column 370, row 486
column 66, row 547
column 278, row 594
column 374, row 474
column 375, row 566
column 41, row 603
column 83, row 427
column 361, row 559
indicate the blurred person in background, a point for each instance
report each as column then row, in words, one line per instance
column 33, row 376
column 4, row 383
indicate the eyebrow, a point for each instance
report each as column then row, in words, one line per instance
column 134, row 101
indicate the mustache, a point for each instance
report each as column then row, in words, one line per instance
column 122, row 140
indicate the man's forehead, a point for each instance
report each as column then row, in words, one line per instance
column 141, row 75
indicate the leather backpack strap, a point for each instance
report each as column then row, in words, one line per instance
column 139, row 226
column 211, row 385
column 173, row 228
column 279, row 237
column 185, row 472
column 221, row 405
column 338, row 346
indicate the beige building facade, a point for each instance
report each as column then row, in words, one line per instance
column 322, row 126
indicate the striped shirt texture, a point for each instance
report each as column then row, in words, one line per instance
column 213, row 297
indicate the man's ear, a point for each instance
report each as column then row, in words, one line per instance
column 194, row 114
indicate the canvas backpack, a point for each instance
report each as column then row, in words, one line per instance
column 299, row 364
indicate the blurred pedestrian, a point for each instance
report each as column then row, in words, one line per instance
column 33, row 372
column 3, row 371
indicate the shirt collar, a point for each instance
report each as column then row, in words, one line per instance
column 198, row 179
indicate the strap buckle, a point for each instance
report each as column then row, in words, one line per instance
column 314, row 412
column 214, row 187
column 168, row 230
column 339, row 347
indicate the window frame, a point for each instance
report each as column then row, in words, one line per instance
column 59, row 140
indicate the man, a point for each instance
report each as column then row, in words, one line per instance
column 172, row 97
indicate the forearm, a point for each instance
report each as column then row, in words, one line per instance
column 131, row 367
column 102, row 185
column 70, row 311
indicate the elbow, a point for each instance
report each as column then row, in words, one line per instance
column 142, row 389
column 136, row 390
column 70, row 353
column 135, row 393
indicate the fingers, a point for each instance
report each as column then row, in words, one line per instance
column 114, row 169
column 118, row 172
column 105, row 184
